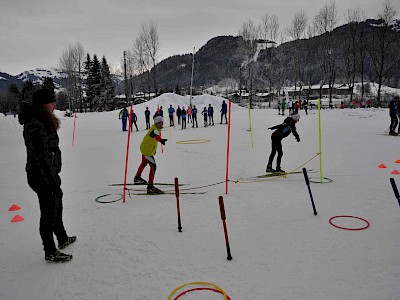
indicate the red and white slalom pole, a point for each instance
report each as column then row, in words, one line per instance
column 223, row 217
column 127, row 155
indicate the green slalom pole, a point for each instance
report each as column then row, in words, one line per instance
column 320, row 140
column 251, row 129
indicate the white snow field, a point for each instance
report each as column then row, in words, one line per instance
column 280, row 249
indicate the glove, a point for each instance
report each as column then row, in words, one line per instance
column 270, row 128
column 298, row 139
column 162, row 141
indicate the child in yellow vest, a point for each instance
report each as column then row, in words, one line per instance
column 148, row 148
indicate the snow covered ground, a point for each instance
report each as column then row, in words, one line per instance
column 280, row 250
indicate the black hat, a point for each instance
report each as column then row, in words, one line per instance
column 42, row 96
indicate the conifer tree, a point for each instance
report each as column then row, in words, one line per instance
column 27, row 91
column 48, row 84
column 89, row 92
column 107, row 88
column 95, row 82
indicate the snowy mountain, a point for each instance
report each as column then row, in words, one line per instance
column 36, row 76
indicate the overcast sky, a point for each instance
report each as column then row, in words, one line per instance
column 34, row 33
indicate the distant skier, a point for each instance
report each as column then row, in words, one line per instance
column 278, row 106
column 205, row 116
column 194, row 116
column 147, row 116
column 283, row 107
column 189, row 114
column 171, row 112
column 178, row 114
column 148, row 148
column 134, row 121
column 183, row 115
column 282, row 130
column 393, row 111
column 210, row 111
column 124, row 115
column 224, row 110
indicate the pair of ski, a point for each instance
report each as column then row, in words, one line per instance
column 278, row 174
column 165, row 192
column 272, row 174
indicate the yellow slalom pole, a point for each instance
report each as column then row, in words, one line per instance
column 251, row 129
column 320, row 140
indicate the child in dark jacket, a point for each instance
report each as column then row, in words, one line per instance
column 205, row 116
column 282, row 130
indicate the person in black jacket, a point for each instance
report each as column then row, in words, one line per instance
column 282, row 130
column 42, row 169
column 393, row 112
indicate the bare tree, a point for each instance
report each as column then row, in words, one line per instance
column 140, row 60
column 250, row 34
column 151, row 42
column 298, row 26
column 71, row 63
column 350, row 48
column 327, row 18
column 79, row 59
column 325, row 21
column 270, row 32
column 384, row 47
column 296, row 31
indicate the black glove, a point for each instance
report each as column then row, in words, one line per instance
column 162, row 141
column 298, row 139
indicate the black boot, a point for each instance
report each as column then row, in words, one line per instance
column 57, row 256
column 269, row 169
column 67, row 242
column 151, row 189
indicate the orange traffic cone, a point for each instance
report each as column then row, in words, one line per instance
column 395, row 172
column 382, row 166
column 17, row 218
column 14, row 207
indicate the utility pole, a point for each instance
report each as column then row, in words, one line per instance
column 191, row 81
column 126, row 79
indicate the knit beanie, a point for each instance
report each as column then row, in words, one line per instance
column 41, row 97
column 158, row 119
column 295, row 117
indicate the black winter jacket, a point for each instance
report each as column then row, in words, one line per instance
column 41, row 141
column 284, row 129
column 393, row 108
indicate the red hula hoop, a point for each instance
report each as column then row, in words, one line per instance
column 346, row 228
column 198, row 289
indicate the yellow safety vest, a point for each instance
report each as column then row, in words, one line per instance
column 149, row 144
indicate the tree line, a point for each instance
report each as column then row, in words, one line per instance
column 317, row 55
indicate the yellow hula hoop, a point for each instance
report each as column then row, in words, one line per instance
column 198, row 283
column 201, row 141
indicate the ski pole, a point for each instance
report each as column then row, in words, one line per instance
column 309, row 190
column 395, row 190
column 177, row 204
column 223, row 217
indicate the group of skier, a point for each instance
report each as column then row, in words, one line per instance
column 292, row 106
column 183, row 116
